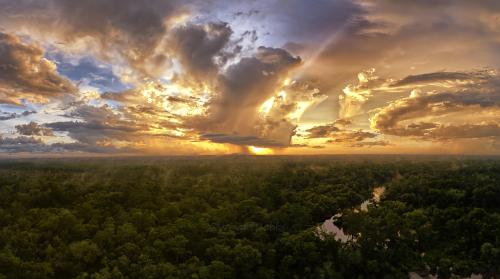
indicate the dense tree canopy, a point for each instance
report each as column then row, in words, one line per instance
column 248, row 218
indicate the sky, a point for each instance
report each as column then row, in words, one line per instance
column 203, row 77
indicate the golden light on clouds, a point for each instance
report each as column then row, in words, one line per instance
column 266, row 107
column 183, row 78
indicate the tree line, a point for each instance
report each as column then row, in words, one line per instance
column 248, row 218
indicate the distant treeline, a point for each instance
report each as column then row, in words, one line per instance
column 248, row 217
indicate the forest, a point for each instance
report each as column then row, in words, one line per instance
column 249, row 217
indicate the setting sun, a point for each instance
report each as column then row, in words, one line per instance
column 260, row 150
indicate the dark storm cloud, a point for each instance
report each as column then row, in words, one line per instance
column 25, row 73
column 197, row 45
column 252, row 80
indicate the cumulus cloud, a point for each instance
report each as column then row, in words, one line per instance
column 25, row 73
column 231, row 105
column 353, row 97
column 244, row 87
column 280, row 114
column 33, row 129
column 224, row 100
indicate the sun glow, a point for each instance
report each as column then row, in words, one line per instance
column 266, row 107
column 176, row 99
column 260, row 150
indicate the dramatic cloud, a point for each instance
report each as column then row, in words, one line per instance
column 190, row 77
column 355, row 96
column 25, row 73
column 244, row 87
column 197, row 46
column 481, row 94
column 280, row 114
column 130, row 29
column 388, row 119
